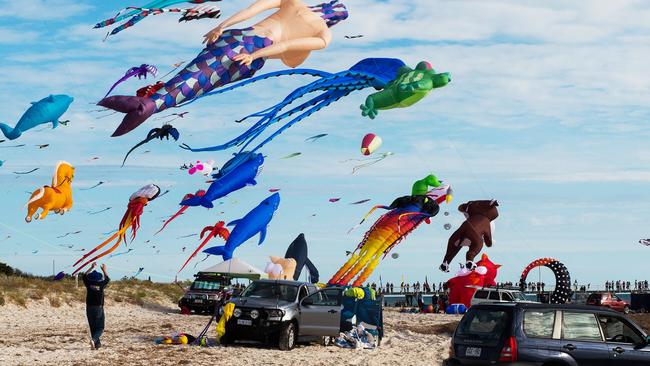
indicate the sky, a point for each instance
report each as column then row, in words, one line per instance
column 547, row 112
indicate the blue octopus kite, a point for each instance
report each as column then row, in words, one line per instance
column 398, row 85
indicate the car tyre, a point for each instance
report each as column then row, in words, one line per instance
column 226, row 339
column 287, row 337
column 626, row 309
column 326, row 341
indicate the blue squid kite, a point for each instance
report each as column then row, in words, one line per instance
column 398, row 86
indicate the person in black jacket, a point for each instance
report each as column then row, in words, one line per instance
column 95, row 284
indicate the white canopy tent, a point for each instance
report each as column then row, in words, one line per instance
column 236, row 268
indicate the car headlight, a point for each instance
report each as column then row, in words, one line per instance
column 276, row 313
column 255, row 314
column 236, row 313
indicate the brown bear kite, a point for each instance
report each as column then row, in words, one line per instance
column 475, row 231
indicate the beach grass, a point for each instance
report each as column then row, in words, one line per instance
column 20, row 290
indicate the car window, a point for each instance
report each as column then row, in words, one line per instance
column 519, row 296
column 616, row 330
column 205, row 285
column 481, row 294
column 483, row 324
column 617, row 298
column 327, row 297
column 494, row 295
column 580, row 327
column 507, row 297
column 271, row 290
column 539, row 323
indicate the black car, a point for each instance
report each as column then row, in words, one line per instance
column 547, row 335
column 208, row 291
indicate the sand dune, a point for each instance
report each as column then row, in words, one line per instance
column 42, row 335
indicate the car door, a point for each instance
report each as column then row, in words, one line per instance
column 627, row 346
column 619, row 304
column 320, row 313
column 581, row 338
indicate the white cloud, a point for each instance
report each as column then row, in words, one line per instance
column 35, row 10
column 10, row 36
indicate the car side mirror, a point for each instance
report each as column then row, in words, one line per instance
column 307, row 301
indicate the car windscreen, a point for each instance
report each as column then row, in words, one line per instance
column 519, row 296
column 271, row 290
column 206, row 285
column 483, row 324
column 595, row 297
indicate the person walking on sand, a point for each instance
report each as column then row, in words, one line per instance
column 95, row 284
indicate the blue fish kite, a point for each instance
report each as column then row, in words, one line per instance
column 234, row 179
column 254, row 222
column 46, row 110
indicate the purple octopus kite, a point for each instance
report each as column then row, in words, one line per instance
column 139, row 71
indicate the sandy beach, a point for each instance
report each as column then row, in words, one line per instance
column 40, row 334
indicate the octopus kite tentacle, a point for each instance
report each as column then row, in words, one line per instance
column 213, row 231
column 375, row 73
column 199, row 193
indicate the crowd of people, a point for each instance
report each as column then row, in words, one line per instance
column 626, row 285
column 426, row 288
column 405, row 288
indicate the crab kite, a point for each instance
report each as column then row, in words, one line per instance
column 198, row 193
column 213, row 231
column 399, row 85
column 131, row 219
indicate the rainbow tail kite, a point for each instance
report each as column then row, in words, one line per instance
column 405, row 215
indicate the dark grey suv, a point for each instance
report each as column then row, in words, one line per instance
column 547, row 335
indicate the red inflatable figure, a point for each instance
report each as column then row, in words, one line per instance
column 464, row 285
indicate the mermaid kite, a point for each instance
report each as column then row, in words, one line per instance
column 131, row 219
column 289, row 34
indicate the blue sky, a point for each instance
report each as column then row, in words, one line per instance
column 547, row 112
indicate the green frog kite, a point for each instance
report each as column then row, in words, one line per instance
column 407, row 89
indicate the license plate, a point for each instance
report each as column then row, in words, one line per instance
column 198, row 301
column 244, row 322
column 473, row 352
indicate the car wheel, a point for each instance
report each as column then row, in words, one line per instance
column 626, row 309
column 325, row 341
column 287, row 337
column 226, row 339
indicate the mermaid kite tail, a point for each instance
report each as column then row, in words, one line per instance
column 212, row 68
column 137, row 111
column 10, row 132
